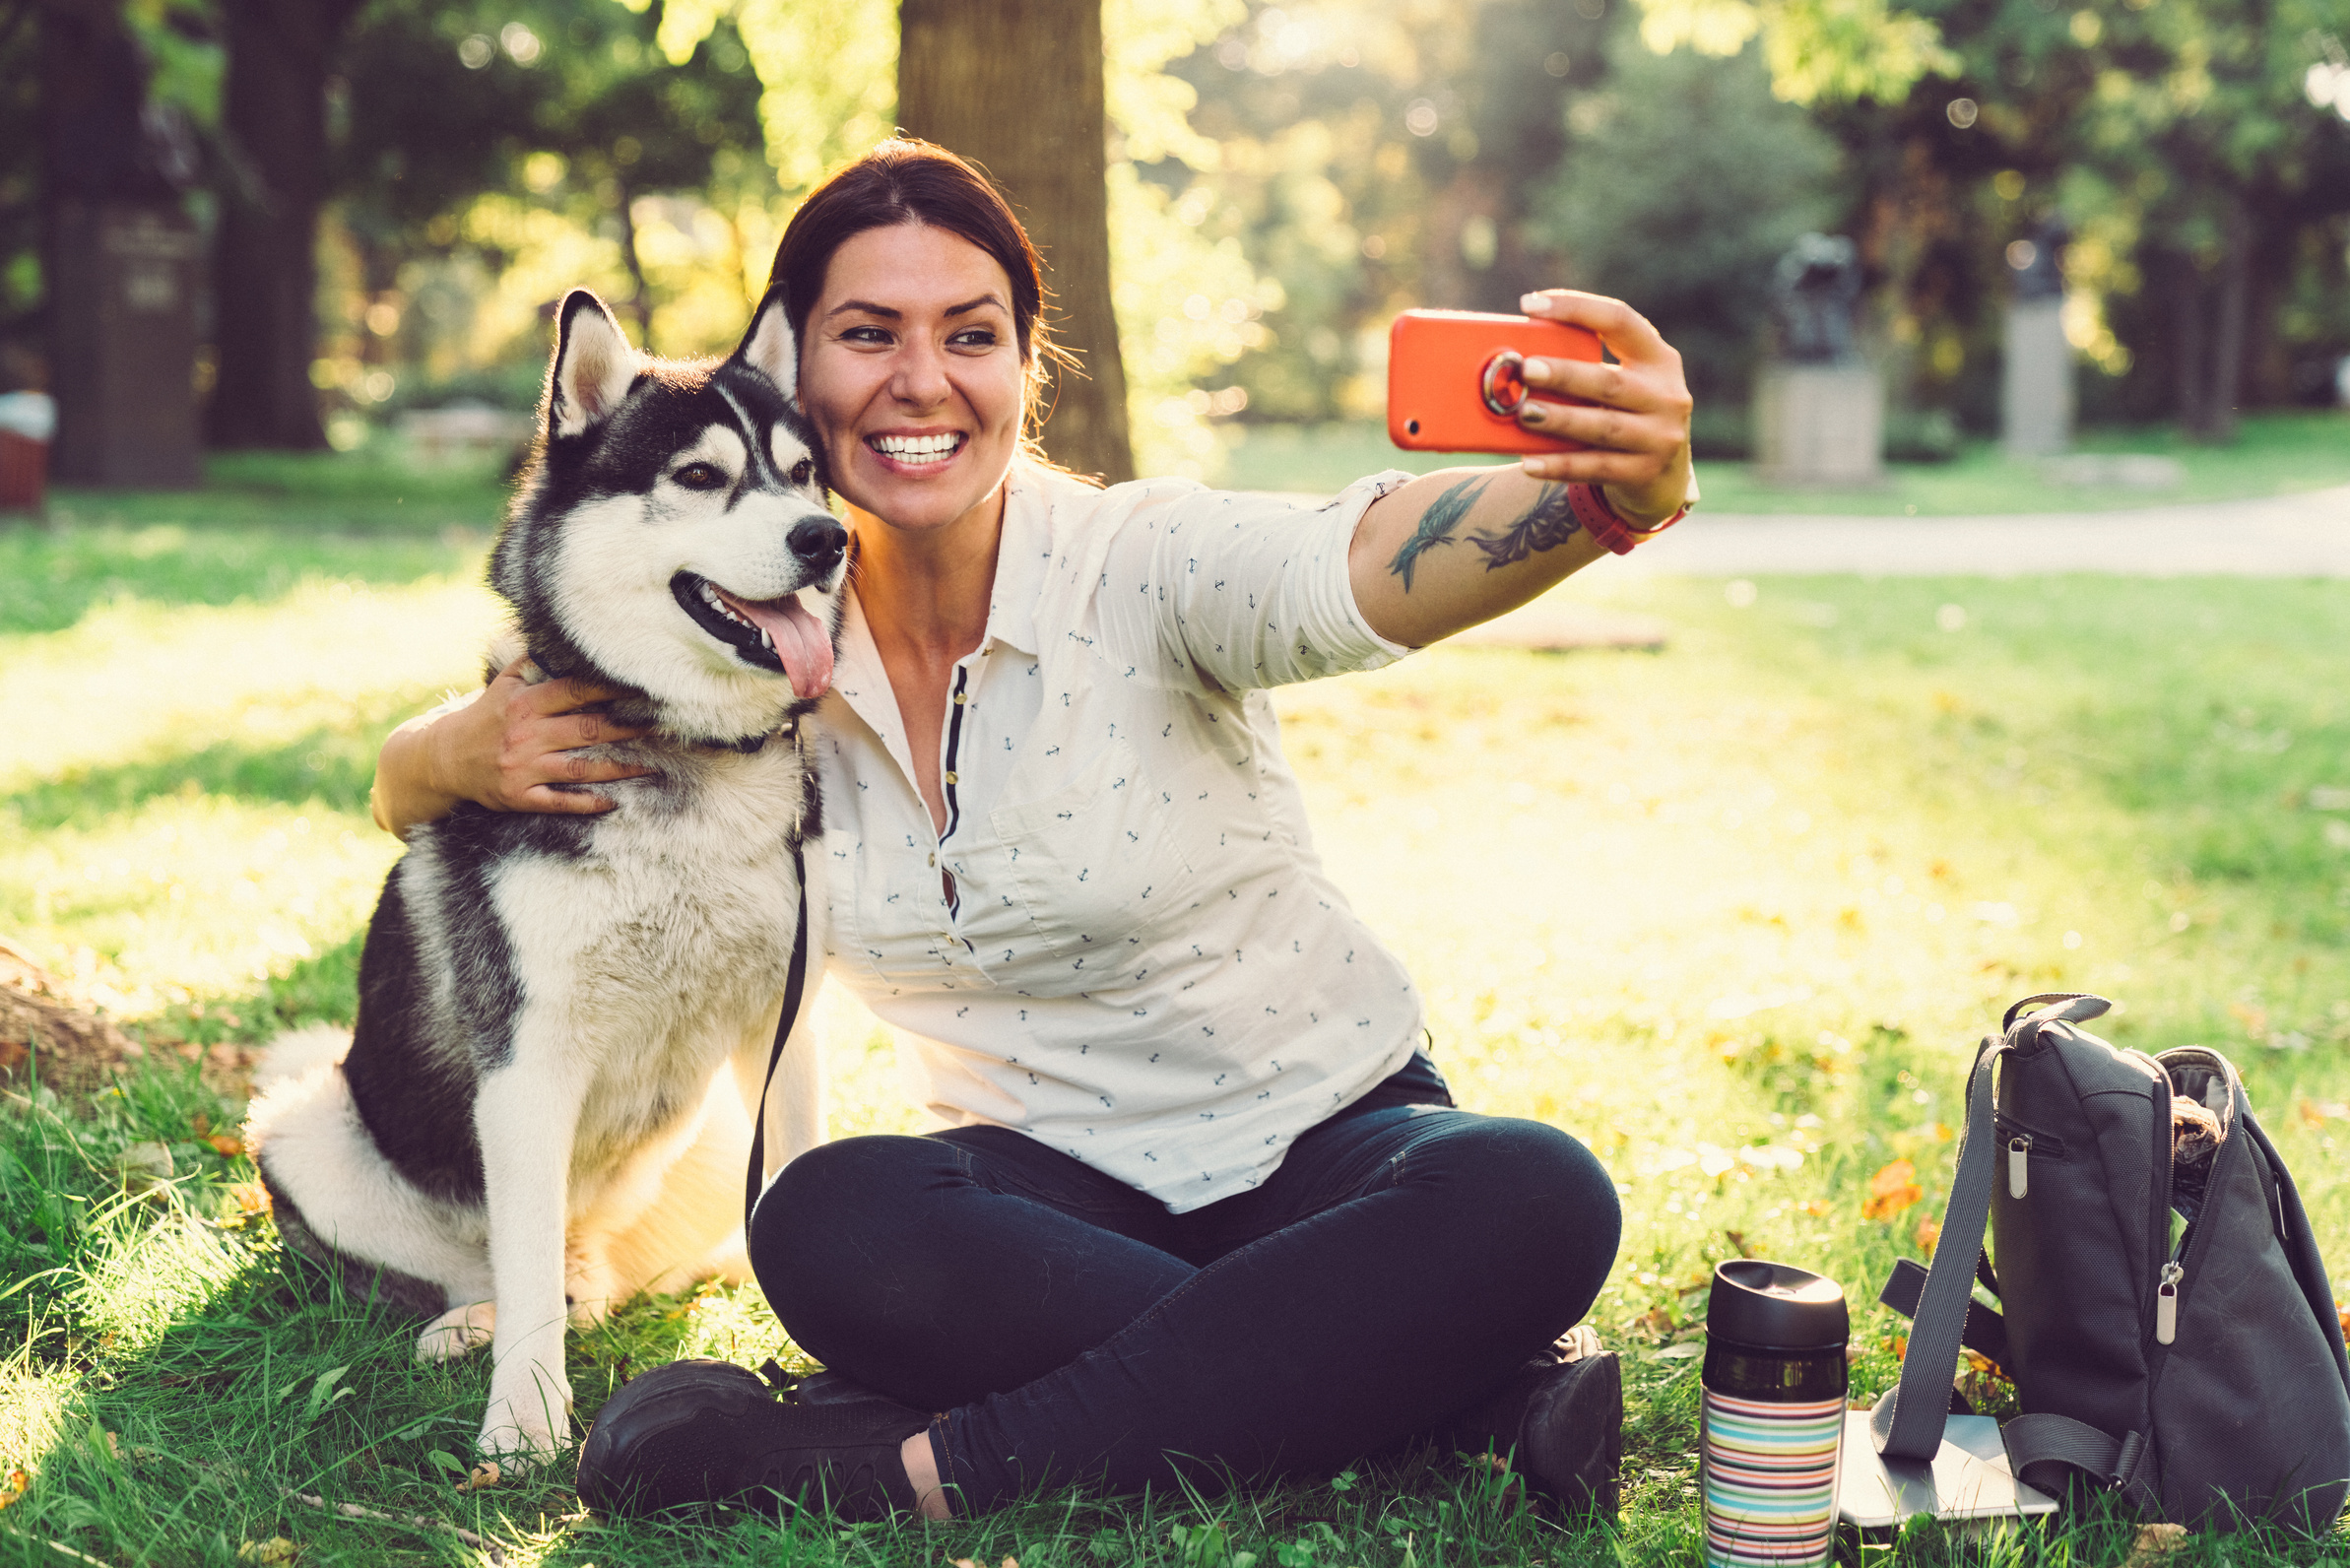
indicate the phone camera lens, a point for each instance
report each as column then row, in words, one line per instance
column 1411, row 426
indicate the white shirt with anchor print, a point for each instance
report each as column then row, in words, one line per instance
column 1135, row 955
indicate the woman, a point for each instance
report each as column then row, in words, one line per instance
column 1207, row 1209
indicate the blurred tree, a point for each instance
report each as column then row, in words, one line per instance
column 1683, row 183
column 446, row 103
column 1017, row 86
column 274, row 125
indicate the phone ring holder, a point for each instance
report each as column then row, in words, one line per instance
column 1503, row 383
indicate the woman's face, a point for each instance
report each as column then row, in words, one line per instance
column 912, row 375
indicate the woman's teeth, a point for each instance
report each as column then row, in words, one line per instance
column 918, row 450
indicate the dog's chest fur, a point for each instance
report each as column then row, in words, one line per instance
column 635, row 949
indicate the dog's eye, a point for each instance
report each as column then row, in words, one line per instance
column 802, row 471
column 701, row 476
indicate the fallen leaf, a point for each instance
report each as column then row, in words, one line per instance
column 1928, row 1231
column 1901, row 1347
column 1980, row 1364
column 1891, row 1190
column 276, row 1549
column 480, row 1478
column 1656, row 1321
column 13, row 1486
column 226, row 1146
column 202, row 1123
column 245, row 1201
column 1738, row 1239
column 2155, row 1542
column 143, row 1166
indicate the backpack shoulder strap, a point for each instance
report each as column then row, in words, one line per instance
column 1906, row 1422
column 794, row 985
column 2034, row 1442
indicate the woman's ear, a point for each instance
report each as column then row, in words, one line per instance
column 593, row 369
column 772, row 347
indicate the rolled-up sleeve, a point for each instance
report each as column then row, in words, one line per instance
column 1249, row 590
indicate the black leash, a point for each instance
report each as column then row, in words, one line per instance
column 792, row 988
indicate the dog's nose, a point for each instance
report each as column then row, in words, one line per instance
column 817, row 541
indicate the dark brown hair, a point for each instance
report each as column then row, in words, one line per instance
column 907, row 180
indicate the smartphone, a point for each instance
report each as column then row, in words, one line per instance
column 1454, row 384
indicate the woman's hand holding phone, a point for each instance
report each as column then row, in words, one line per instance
column 1484, row 383
column 1632, row 416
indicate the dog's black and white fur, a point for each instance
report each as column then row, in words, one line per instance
column 534, row 1119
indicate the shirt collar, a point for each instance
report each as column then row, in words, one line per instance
column 1021, row 553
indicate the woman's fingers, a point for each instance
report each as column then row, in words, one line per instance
column 537, row 744
column 1633, row 414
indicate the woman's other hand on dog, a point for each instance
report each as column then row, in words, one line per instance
column 516, row 747
column 1636, row 425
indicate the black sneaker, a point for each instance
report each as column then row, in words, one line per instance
column 1557, row 1424
column 708, row 1431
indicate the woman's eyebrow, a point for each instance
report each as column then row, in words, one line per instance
column 868, row 308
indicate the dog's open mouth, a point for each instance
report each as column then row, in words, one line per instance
column 768, row 633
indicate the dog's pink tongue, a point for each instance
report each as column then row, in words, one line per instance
column 800, row 642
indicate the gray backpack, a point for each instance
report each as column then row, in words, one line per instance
column 2166, row 1316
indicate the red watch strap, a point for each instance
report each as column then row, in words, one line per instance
column 1605, row 524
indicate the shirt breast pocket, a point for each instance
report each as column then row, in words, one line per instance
column 1097, row 865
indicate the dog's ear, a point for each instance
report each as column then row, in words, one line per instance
column 593, row 369
column 772, row 347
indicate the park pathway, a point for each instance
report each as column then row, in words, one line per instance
column 2282, row 536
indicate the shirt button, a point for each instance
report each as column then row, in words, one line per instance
column 934, row 860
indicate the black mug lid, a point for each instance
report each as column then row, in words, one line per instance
column 1775, row 1306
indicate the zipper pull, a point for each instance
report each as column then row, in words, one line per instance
column 2166, row 1303
column 2019, row 1179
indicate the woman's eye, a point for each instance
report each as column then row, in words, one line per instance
column 701, row 476
column 864, row 335
column 976, row 338
column 802, row 471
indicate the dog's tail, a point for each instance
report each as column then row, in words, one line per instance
column 336, row 1197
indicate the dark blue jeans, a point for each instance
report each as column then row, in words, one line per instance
column 1402, row 1262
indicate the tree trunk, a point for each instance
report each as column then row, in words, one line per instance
column 2227, row 342
column 2193, row 402
column 1017, row 86
column 266, row 273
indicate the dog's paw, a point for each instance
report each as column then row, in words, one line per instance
column 458, row 1332
column 517, row 1437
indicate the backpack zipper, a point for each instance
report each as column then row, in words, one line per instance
column 2166, row 1303
column 2021, row 1143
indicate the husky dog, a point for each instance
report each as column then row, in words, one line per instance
column 531, row 1120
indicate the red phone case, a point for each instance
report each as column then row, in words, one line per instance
column 1442, row 366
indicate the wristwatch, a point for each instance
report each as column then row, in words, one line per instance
column 1609, row 527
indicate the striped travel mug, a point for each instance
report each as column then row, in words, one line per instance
column 1773, row 1403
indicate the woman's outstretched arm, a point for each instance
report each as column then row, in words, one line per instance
column 1461, row 545
column 505, row 750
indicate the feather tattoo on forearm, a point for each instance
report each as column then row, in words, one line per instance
column 1545, row 525
column 1436, row 527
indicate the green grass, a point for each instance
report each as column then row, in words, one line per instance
column 2273, row 454
column 1763, row 888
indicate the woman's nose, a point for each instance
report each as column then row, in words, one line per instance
column 919, row 377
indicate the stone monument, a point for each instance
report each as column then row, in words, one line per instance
column 1819, row 407
column 2036, row 385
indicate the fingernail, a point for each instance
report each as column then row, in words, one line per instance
column 1531, row 302
column 1537, row 368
